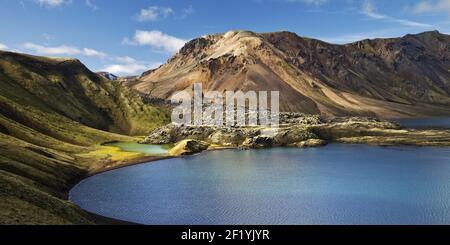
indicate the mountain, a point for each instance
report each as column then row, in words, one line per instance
column 388, row 78
column 65, row 87
column 108, row 75
column 52, row 112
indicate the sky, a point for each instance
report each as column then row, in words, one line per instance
column 127, row 37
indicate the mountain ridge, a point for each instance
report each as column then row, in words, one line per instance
column 68, row 88
column 395, row 77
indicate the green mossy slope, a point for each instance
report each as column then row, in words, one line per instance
column 52, row 111
column 66, row 87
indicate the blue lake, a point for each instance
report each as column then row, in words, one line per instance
column 425, row 123
column 337, row 184
column 141, row 148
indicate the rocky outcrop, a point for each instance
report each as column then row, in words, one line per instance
column 171, row 133
column 437, row 138
column 294, row 128
column 353, row 127
column 188, row 147
column 310, row 143
column 230, row 136
column 378, row 132
column 295, row 133
column 161, row 136
column 310, row 133
column 259, row 141
column 292, row 118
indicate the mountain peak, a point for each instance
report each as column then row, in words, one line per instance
column 380, row 77
column 108, row 75
column 235, row 43
column 434, row 32
column 426, row 34
column 239, row 33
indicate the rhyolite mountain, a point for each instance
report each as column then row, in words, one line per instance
column 52, row 112
column 389, row 78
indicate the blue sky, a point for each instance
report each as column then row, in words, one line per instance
column 128, row 37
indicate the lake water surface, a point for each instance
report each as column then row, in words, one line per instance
column 141, row 148
column 425, row 123
column 337, row 184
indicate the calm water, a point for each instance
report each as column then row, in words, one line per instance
column 425, row 123
column 337, row 184
column 141, row 148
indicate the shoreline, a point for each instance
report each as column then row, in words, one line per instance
column 388, row 137
column 126, row 163
column 103, row 220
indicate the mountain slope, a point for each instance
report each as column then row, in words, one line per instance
column 66, row 87
column 400, row 77
column 52, row 111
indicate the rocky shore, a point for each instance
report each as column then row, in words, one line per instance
column 296, row 130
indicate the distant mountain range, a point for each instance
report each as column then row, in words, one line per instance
column 108, row 75
column 389, row 78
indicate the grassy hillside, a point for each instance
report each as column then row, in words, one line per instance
column 53, row 112
column 66, row 87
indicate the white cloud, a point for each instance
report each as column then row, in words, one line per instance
column 435, row 6
column 186, row 12
column 129, row 66
column 156, row 40
column 3, row 47
column 126, row 69
column 63, row 50
column 93, row 52
column 57, row 50
column 91, row 5
column 57, row 3
column 412, row 23
column 153, row 13
column 51, row 3
column 368, row 9
column 121, row 65
column 125, row 59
